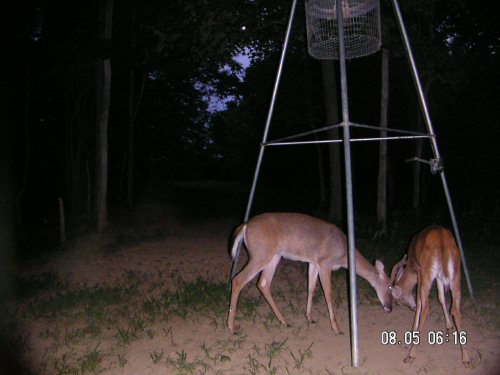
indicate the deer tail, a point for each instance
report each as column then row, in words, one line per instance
column 239, row 236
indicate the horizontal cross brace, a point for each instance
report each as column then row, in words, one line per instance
column 410, row 135
column 326, row 141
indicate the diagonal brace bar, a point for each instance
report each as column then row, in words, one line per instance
column 234, row 266
column 434, row 146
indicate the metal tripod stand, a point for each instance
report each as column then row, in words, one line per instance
column 346, row 124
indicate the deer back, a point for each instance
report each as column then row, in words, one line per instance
column 297, row 237
column 435, row 254
column 432, row 253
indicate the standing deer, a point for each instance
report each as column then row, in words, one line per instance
column 270, row 236
column 432, row 255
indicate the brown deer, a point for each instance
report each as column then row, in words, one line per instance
column 270, row 236
column 432, row 255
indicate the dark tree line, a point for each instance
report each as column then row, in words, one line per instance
column 167, row 58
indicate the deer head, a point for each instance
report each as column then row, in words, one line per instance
column 403, row 280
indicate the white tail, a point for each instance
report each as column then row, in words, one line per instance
column 270, row 236
column 239, row 236
column 432, row 255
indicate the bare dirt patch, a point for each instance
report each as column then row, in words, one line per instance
column 137, row 335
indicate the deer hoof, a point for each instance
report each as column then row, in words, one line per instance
column 409, row 359
column 284, row 323
column 235, row 330
column 339, row 333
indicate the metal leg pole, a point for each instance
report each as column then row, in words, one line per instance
column 434, row 146
column 457, row 234
column 349, row 199
column 266, row 128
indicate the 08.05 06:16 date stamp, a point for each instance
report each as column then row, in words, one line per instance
column 414, row 338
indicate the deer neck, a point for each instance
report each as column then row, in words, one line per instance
column 366, row 270
column 408, row 280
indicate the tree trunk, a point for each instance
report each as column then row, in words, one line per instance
column 335, row 209
column 382, row 159
column 27, row 143
column 10, row 97
column 311, row 121
column 103, row 103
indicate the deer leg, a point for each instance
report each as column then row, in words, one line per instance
column 456, row 295
column 313, row 279
column 442, row 301
column 264, row 285
column 411, row 355
column 420, row 314
column 238, row 283
column 325, row 277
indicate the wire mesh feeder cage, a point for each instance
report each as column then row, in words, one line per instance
column 361, row 19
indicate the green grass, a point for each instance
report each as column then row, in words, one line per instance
column 200, row 296
column 181, row 364
column 28, row 287
column 82, row 317
column 122, row 313
column 91, row 361
column 300, row 357
column 68, row 301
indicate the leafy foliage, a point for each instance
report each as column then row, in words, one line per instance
column 184, row 57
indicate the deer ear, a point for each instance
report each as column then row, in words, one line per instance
column 396, row 292
column 400, row 273
column 379, row 266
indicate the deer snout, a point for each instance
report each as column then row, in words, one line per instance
column 386, row 301
column 410, row 302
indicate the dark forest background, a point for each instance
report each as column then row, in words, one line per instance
column 186, row 119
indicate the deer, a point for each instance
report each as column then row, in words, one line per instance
column 432, row 255
column 271, row 236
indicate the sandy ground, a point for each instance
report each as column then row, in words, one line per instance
column 201, row 343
